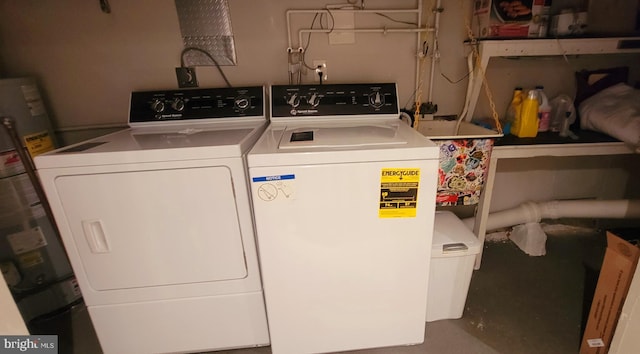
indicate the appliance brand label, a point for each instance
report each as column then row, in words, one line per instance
column 399, row 192
column 172, row 115
column 295, row 112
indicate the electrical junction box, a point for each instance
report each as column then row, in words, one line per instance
column 186, row 77
column 618, row 267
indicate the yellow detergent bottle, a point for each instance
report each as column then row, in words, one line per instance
column 527, row 124
column 513, row 111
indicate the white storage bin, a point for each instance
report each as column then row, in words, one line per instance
column 453, row 255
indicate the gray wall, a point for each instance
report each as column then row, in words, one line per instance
column 87, row 62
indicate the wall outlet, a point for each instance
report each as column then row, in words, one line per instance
column 186, row 77
column 320, row 66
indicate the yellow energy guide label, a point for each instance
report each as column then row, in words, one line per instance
column 399, row 192
column 38, row 143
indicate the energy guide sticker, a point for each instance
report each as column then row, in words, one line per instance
column 399, row 192
column 38, row 143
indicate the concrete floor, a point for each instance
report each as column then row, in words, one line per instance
column 523, row 304
column 516, row 304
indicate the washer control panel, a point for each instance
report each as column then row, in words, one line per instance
column 333, row 100
column 153, row 106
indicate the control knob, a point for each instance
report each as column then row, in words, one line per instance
column 178, row 104
column 157, row 106
column 242, row 103
column 314, row 100
column 376, row 100
column 294, row 100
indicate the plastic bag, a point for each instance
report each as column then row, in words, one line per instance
column 530, row 238
column 563, row 114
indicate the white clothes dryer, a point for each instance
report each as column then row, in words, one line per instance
column 157, row 223
column 344, row 200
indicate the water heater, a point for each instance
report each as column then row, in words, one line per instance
column 32, row 258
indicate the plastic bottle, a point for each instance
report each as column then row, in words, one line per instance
column 513, row 111
column 563, row 113
column 544, row 110
column 527, row 125
column 544, row 19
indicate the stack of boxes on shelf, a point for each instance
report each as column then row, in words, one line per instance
column 557, row 18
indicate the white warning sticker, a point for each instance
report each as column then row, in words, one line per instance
column 28, row 240
column 595, row 343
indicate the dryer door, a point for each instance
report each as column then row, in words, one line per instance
column 161, row 227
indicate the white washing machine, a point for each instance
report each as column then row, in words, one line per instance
column 344, row 199
column 157, row 223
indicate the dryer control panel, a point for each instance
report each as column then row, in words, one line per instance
column 204, row 103
column 334, row 100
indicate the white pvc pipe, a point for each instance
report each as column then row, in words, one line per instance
column 373, row 11
column 301, row 32
column 535, row 212
column 418, row 47
column 465, row 108
column 418, row 30
column 436, row 52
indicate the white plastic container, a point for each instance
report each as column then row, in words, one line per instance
column 453, row 255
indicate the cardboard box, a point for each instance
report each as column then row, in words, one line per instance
column 620, row 260
column 510, row 18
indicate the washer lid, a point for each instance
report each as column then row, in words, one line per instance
column 452, row 238
column 306, row 143
column 348, row 136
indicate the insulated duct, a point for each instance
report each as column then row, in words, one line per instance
column 534, row 212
